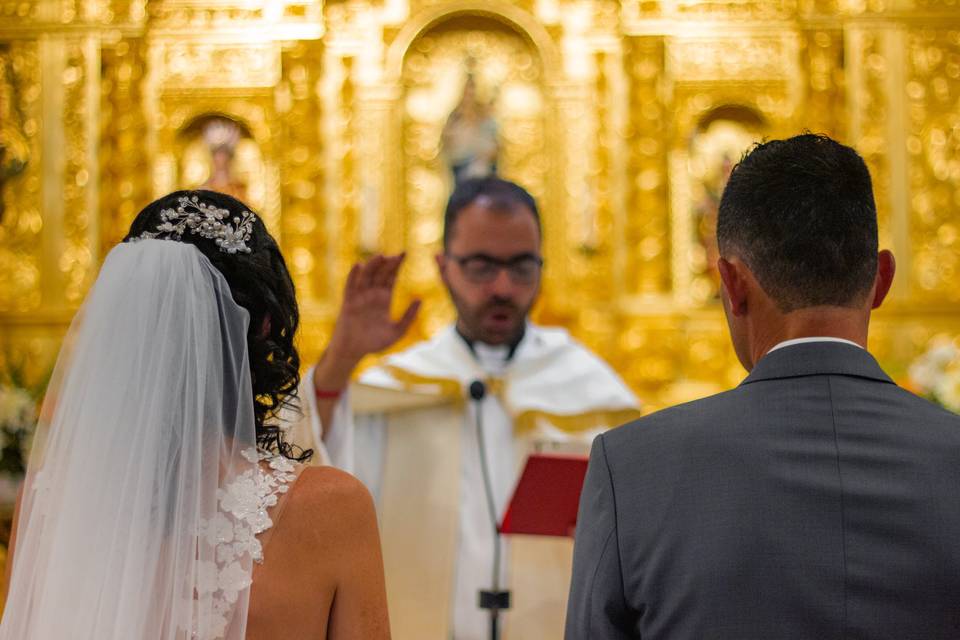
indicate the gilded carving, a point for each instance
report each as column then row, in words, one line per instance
column 18, row 11
column 287, row 19
column 646, row 239
column 79, row 252
column 124, row 167
column 710, row 59
column 734, row 9
column 621, row 118
column 14, row 150
column 933, row 108
column 947, row 6
column 870, row 104
column 183, row 64
column 22, row 223
column 303, row 221
column 825, row 108
column 120, row 11
column 344, row 228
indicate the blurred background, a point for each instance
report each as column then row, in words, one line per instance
column 344, row 123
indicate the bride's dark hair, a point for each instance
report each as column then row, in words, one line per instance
column 261, row 284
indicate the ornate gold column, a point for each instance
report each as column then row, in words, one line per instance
column 822, row 50
column 342, row 163
column 124, row 167
column 931, row 55
column 644, row 266
column 874, row 54
column 21, row 242
column 49, row 243
column 70, row 86
column 592, row 109
column 298, row 107
column 301, row 159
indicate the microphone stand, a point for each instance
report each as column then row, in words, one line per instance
column 493, row 599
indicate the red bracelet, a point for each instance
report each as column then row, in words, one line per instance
column 327, row 395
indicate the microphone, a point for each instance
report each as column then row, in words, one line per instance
column 478, row 390
column 494, row 599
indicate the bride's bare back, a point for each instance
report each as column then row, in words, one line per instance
column 322, row 570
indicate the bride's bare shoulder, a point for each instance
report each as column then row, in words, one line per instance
column 329, row 498
column 323, row 482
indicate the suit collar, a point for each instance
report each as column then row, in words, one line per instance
column 817, row 358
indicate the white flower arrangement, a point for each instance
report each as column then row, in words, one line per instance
column 936, row 373
column 18, row 415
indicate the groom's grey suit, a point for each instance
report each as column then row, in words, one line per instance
column 817, row 500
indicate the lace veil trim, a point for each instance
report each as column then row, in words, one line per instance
column 231, row 533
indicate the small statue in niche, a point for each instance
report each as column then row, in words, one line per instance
column 707, row 208
column 717, row 145
column 221, row 136
column 469, row 137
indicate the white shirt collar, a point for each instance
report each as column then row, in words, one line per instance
column 788, row 343
column 492, row 358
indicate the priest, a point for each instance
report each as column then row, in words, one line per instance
column 411, row 431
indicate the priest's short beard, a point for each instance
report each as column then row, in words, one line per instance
column 470, row 319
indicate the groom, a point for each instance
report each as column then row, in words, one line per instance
column 815, row 500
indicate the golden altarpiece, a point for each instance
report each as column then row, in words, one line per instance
column 621, row 117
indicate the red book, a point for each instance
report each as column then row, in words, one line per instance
column 547, row 496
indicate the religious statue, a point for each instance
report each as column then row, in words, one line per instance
column 469, row 137
column 221, row 136
column 715, row 148
column 706, row 209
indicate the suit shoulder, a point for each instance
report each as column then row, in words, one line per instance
column 676, row 419
column 926, row 410
column 923, row 404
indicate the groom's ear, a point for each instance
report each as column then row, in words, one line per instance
column 734, row 278
column 886, row 267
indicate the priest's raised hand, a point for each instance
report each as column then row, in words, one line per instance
column 364, row 325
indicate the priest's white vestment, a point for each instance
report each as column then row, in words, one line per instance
column 408, row 430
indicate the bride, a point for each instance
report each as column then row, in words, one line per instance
column 161, row 500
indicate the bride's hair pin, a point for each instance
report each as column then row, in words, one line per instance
column 206, row 221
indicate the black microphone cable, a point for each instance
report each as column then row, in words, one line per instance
column 478, row 392
column 495, row 599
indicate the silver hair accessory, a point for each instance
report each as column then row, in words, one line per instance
column 206, row 221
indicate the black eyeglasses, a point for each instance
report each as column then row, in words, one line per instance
column 480, row 268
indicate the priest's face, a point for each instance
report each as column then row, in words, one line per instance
column 491, row 268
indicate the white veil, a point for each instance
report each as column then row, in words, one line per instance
column 147, row 425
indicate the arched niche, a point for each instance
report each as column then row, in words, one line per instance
column 509, row 15
column 511, row 79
